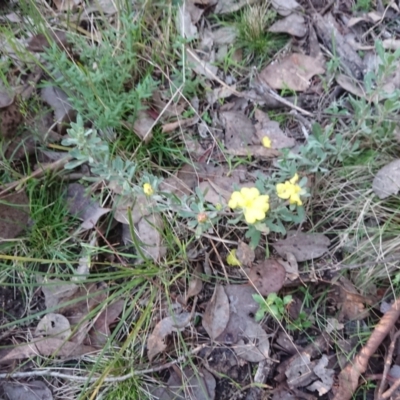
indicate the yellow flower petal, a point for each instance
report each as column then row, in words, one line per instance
column 294, row 179
column 295, row 199
column 266, row 142
column 249, row 194
column 253, row 214
column 262, row 203
column 283, row 190
column 232, row 259
column 147, row 189
column 236, row 200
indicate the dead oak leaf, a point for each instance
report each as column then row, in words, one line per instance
column 292, row 72
column 303, row 245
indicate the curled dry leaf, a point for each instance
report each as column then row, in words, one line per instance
column 293, row 72
column 56, row 291
column 293, row 24
column 387, row 181
column 81, row 205
column 33, row 390
column 54, row 325
column 14, row 214
column 304, row 246
column 216, row 316
column 156, row 341
column 267, row 277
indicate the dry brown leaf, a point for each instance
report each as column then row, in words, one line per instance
column 101, row 329
column 245, row 254
column 82, row 206
column 195, row 285
column 253, row 345
column 32, row 390
column 387, row 181
column 14, row 215
column 225, row 35
column 6, row 96
column 267, row 277
column 10, row 118
column 56, row 290
column 351, row 85
column 160, row 102
column 108, row 7
column 349, row 301
column 143, row 126
column 272, row 130
column 138, row 207
column 47, row 347
column 290, row 264
column 149, row 234
column 248, row 339
column 239, row 131
column 325, row 375
column 293, row 24
column 156, row 341
column 57, row 99
column 187, row 384
column 40, row 42
column 292, row 72
column 186, row 26
column 201, row 67
column 304, row 246
column 216, row 316
column 54, row 325
column 285, row 7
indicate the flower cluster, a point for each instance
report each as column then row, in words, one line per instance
column 254, row 205
column 290, row 190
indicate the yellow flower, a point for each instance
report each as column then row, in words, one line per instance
column 266, row 142
column 254, row 205
column 147, row 189
column 232, row 259
column 290, row 190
